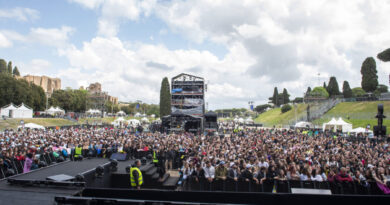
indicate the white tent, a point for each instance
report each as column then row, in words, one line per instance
column 241, row 120
column 121, row 113
column 32, row 126
column 92, row 112
column 133, row 122
column 7, row 110
column 144, row 119
column 152, row 115
column 249, row 120
column 235, row 119
column 55, row 110
column 303, row 124
column 339, row 124
column 23, row 112
column 137, row 114
column 360, row 130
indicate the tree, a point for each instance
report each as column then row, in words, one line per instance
column 384, row 55
column 324, row 85
column 298, row 100
column 165, row 98
column 382, row 88
column 9, row 70
column 319, row 92
column 308, row 91
column 286, row 108
column 275, row 97
column 262, row 108
column 286, row 96
column 347, row 91
column 16, row 71
column 3, row 66
column 358, row 92
column 369, row 75
column 333, row 87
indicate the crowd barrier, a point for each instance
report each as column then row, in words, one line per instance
column 281, row 186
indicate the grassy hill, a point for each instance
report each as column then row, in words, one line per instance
column 358, row 113
column 276, row 117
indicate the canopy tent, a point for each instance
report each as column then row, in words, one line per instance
column 137, row 114
column 152, row 115
column 235, row 120
column 360, row 130
column 7, row 110
column 339, row 124
column 32, row 126
column 23, row 112
column 55, row 110
column 92, row 111
column 241, row 120
column 119, row 121
column 133, row 122
column 303, row 124
column 144, row 119
column 249, row 120
column 121, row 113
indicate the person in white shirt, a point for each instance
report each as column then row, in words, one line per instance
column 209, row 171
column 315, row 176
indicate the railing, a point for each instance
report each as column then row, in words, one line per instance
column 280, row 186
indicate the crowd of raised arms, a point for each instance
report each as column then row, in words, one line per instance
column 248, row 154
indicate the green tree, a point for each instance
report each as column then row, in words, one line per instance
column 286, row 108
column 9, row 70
column 275, row 97
column 333, row 87
column 382, row 88
column 298, row 100
column 358, row 92
column 308, row 91
column 384, row 55
column 319, row 92
column 286, row 96
column 324, row 85
column 15, row 72
column 165, row 98
column 262, row 108
column 347, row 91
column 3, row 66
column 369, row 75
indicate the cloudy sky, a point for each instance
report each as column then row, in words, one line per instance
column 242, row 48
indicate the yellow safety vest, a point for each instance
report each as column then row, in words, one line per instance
column 78, row 151
column 155, row 160
column 132, row 180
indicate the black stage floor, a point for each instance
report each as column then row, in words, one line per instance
column 12, row 194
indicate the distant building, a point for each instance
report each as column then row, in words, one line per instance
column 49, row 85
column 95, row 89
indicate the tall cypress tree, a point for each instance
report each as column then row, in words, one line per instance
column 275, row 97
column 369, row 75
column 308, row 91
column 324, row 85
column 3, row 66
column 347, row 91
column 333, row 87
column 165, row 98
column 16, row 71
column 9, row 70
column 286, row 96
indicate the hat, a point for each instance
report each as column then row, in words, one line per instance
column 248, row 166
column 231, row 164
column 221, row 163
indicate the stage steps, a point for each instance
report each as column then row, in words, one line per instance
column 170, row 183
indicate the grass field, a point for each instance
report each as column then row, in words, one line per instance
column 276, row 117
column 14, row 123
column 358, row 113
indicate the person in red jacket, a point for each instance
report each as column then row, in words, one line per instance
column 343, row 176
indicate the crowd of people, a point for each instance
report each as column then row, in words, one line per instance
column 247, row 154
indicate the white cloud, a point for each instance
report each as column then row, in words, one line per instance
column 90, row 4
column 57, row 37
column 4, row 42
column 20, row 14
column 35, row 67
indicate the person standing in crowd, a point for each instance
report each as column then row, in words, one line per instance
column 28, row 163
column 136, row 178
column 209, row 171
column 221, row 171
